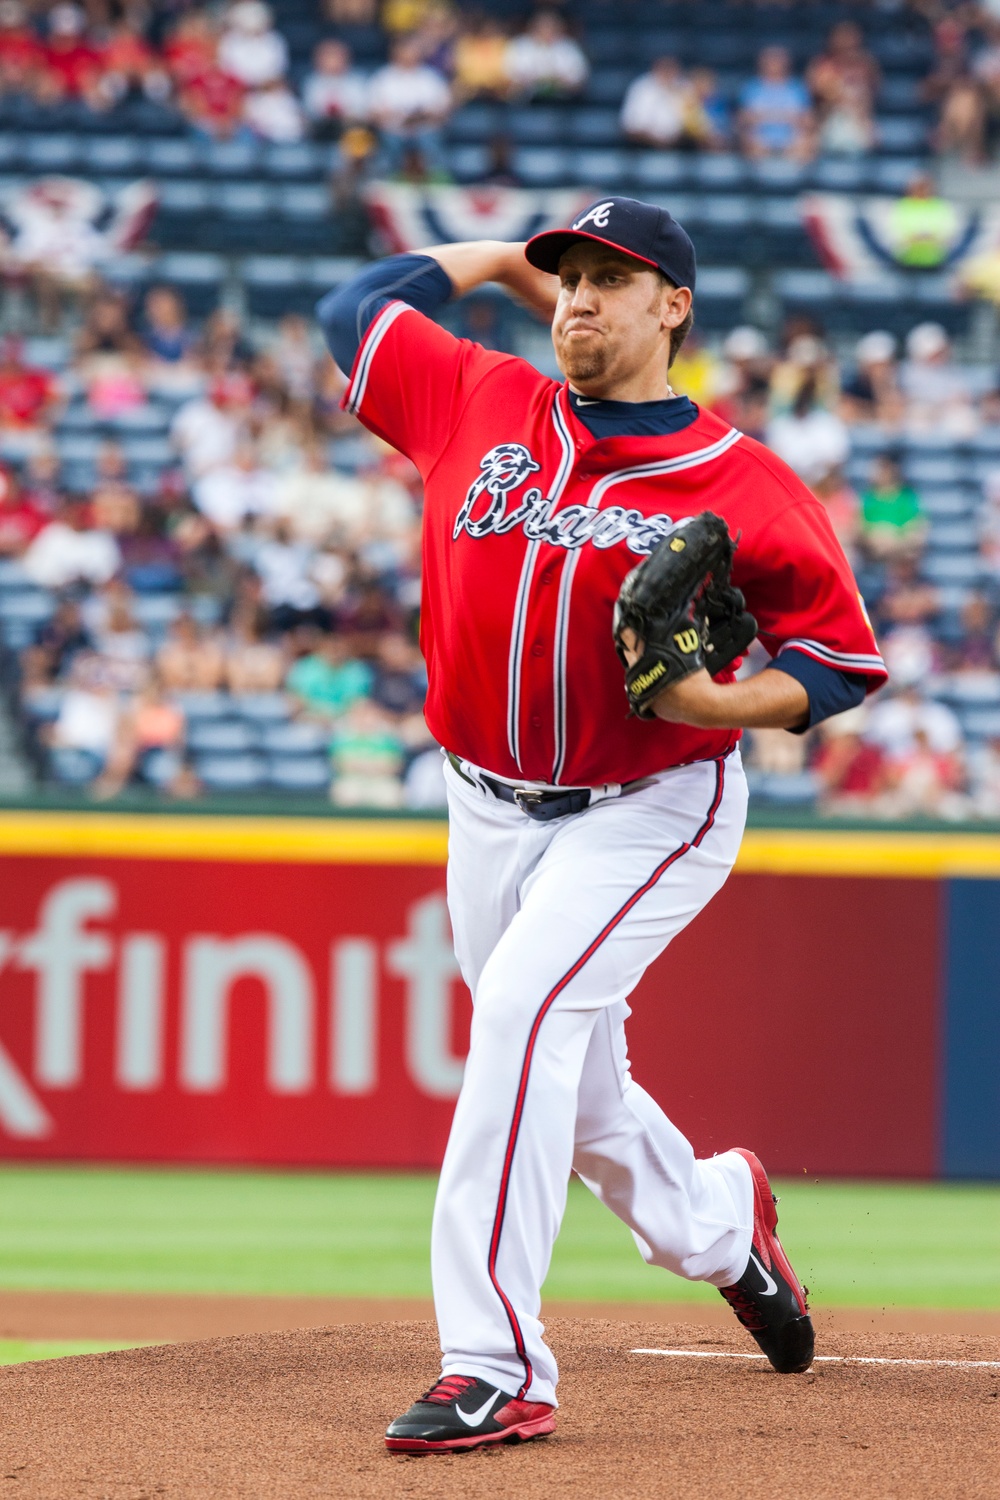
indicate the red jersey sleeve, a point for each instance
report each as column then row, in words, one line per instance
column 799, row 586
column 411, row 380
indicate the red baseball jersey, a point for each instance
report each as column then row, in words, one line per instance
column 530, row 525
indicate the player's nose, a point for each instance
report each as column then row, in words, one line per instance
column 584, row 296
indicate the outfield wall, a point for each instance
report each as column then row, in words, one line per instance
column 282, row 990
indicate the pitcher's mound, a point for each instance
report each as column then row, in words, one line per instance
column 301, row 1414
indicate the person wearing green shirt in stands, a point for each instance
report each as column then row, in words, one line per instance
column 922, row 226
column 327, row 681
column 892, row 519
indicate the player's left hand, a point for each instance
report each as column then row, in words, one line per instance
column 769, row 700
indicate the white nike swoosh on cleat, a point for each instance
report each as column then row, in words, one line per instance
column 476, row 1418
column 770, row 1285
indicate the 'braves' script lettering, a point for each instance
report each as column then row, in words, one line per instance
column 506, row 468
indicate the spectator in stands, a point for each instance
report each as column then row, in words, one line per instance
column 409, row 103
column 871, row 391
column 229, row 494
column 163, row 328
column 436, row 38
column 88, row 714
column 130, row 66
column 21, row 53
column 326, row 680
column 479, row 60
column 207, row 429
column 709, row 124
column 960, row 132
column 191, row 48
column 844, row 64
column 213, row 100
column 150, row 722
column 925, row 781
column 810, row 438
column 58, row 642
column 367, row 756
column 109, row 357
column 20, row 520
column 892, row 519
column 273, row 113
column 68, row 551
column 123, row 647
column 544, row 61
column 190, row 660
column 936, row 389
column 28, row 397
column 923, row 226
column 743, row 383
column 335, row 94
column 776, row 117
column 400, row 681
column 841, row 505
column 850, row 769
column 72, row 64
column 658, row 105
column 250, row 49
column 41, row 479
column 284, row 566
column 254, row 664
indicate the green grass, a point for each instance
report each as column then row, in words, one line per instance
column 99, row 1229
column 24, row 1351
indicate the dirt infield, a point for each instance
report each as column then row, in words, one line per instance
column 290, row 1416
column 154, row 1318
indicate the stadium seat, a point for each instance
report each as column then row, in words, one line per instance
column 262, row 708
column 300, row 160
column 297, row 773
column 204, row 708
column 948, row 567
column 51, row 153
column 542, row 166
column 231, row 773
column 70, row 767
column 659, row 169
column 222, row 736
column 600, row 169
column 536, row 126
column 112, row 154
column 170, row 158
column 296, row 738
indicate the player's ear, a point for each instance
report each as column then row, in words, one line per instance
column 675, row 306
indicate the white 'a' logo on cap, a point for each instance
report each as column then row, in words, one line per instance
column 598, row 216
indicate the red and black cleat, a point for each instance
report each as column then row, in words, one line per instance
column 768, row 1299
column 463, row 1412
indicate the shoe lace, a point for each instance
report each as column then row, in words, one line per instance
column 744, row 1307
column 448, row 1389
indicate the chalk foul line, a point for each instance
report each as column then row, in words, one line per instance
column 827, row 1359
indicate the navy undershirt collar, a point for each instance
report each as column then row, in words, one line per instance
column 634, row 418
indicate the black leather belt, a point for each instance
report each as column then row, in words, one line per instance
column 542, row 806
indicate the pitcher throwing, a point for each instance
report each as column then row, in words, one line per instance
column 588, row 824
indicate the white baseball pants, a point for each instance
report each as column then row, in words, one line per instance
column 554, row 924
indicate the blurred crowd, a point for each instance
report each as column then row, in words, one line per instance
column 226, row 69
column 854, row 431
column 285, row 535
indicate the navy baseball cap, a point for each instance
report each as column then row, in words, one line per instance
column 640, row 229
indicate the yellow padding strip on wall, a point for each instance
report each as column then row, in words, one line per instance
column 370, row 841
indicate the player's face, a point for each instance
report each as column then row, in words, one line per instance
column 612, row 321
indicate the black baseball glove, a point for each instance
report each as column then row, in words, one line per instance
column 683, row 609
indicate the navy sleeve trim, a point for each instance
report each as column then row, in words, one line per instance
column 346, row 314
column 830, row 691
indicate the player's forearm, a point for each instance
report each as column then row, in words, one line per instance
column 475, row 262
column 770, row 700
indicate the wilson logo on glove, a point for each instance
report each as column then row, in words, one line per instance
column 687, row 641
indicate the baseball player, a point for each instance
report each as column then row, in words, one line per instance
column 584, row 837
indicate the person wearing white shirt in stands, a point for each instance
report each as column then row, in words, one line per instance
column 66, row 551
column 334, row 94
column 250, row 49
column 657, row 105
column 275, row 114
column 409, row 101
column 545, row 60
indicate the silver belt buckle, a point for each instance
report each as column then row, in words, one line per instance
column 527, row 799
